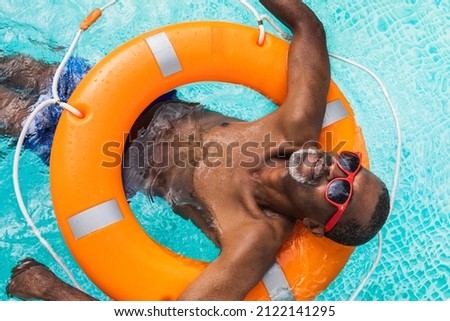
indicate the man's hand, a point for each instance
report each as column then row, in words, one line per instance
column 300, row 117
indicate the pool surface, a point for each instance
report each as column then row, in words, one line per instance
column 404, row 42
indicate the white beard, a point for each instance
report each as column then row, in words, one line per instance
column 296, row 159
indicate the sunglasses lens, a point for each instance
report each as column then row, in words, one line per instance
column 349, row 161
column 339, row 191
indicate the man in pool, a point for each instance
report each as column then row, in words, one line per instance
column 257, row 206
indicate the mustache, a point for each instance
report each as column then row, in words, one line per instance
column 309, row 158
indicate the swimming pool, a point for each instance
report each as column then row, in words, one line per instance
column 403, row 41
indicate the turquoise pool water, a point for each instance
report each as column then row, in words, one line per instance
column 405, row 42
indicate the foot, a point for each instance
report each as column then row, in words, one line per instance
column 30, row 280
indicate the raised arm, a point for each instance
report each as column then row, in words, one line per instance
column 300, row 117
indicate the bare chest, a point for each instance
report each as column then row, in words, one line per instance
column 223, row 178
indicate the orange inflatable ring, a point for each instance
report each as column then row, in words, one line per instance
column 90, row 205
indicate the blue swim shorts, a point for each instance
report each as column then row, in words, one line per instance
column 40, row 135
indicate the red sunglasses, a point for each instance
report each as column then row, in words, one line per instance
column 339, row 191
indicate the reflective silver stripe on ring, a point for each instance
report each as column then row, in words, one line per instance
column 334, row 112
column 277, row 285
column 164, row 53
column 95, row 218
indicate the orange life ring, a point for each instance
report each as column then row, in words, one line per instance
column 90, row 205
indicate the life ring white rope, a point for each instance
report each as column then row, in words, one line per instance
column 28, row 122
column 385, row 92
column 261, row 38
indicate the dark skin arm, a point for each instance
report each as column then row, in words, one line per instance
column 250, row 249
column 299, row 118
column 246, row 255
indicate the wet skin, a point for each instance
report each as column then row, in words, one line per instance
column 249, row 211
